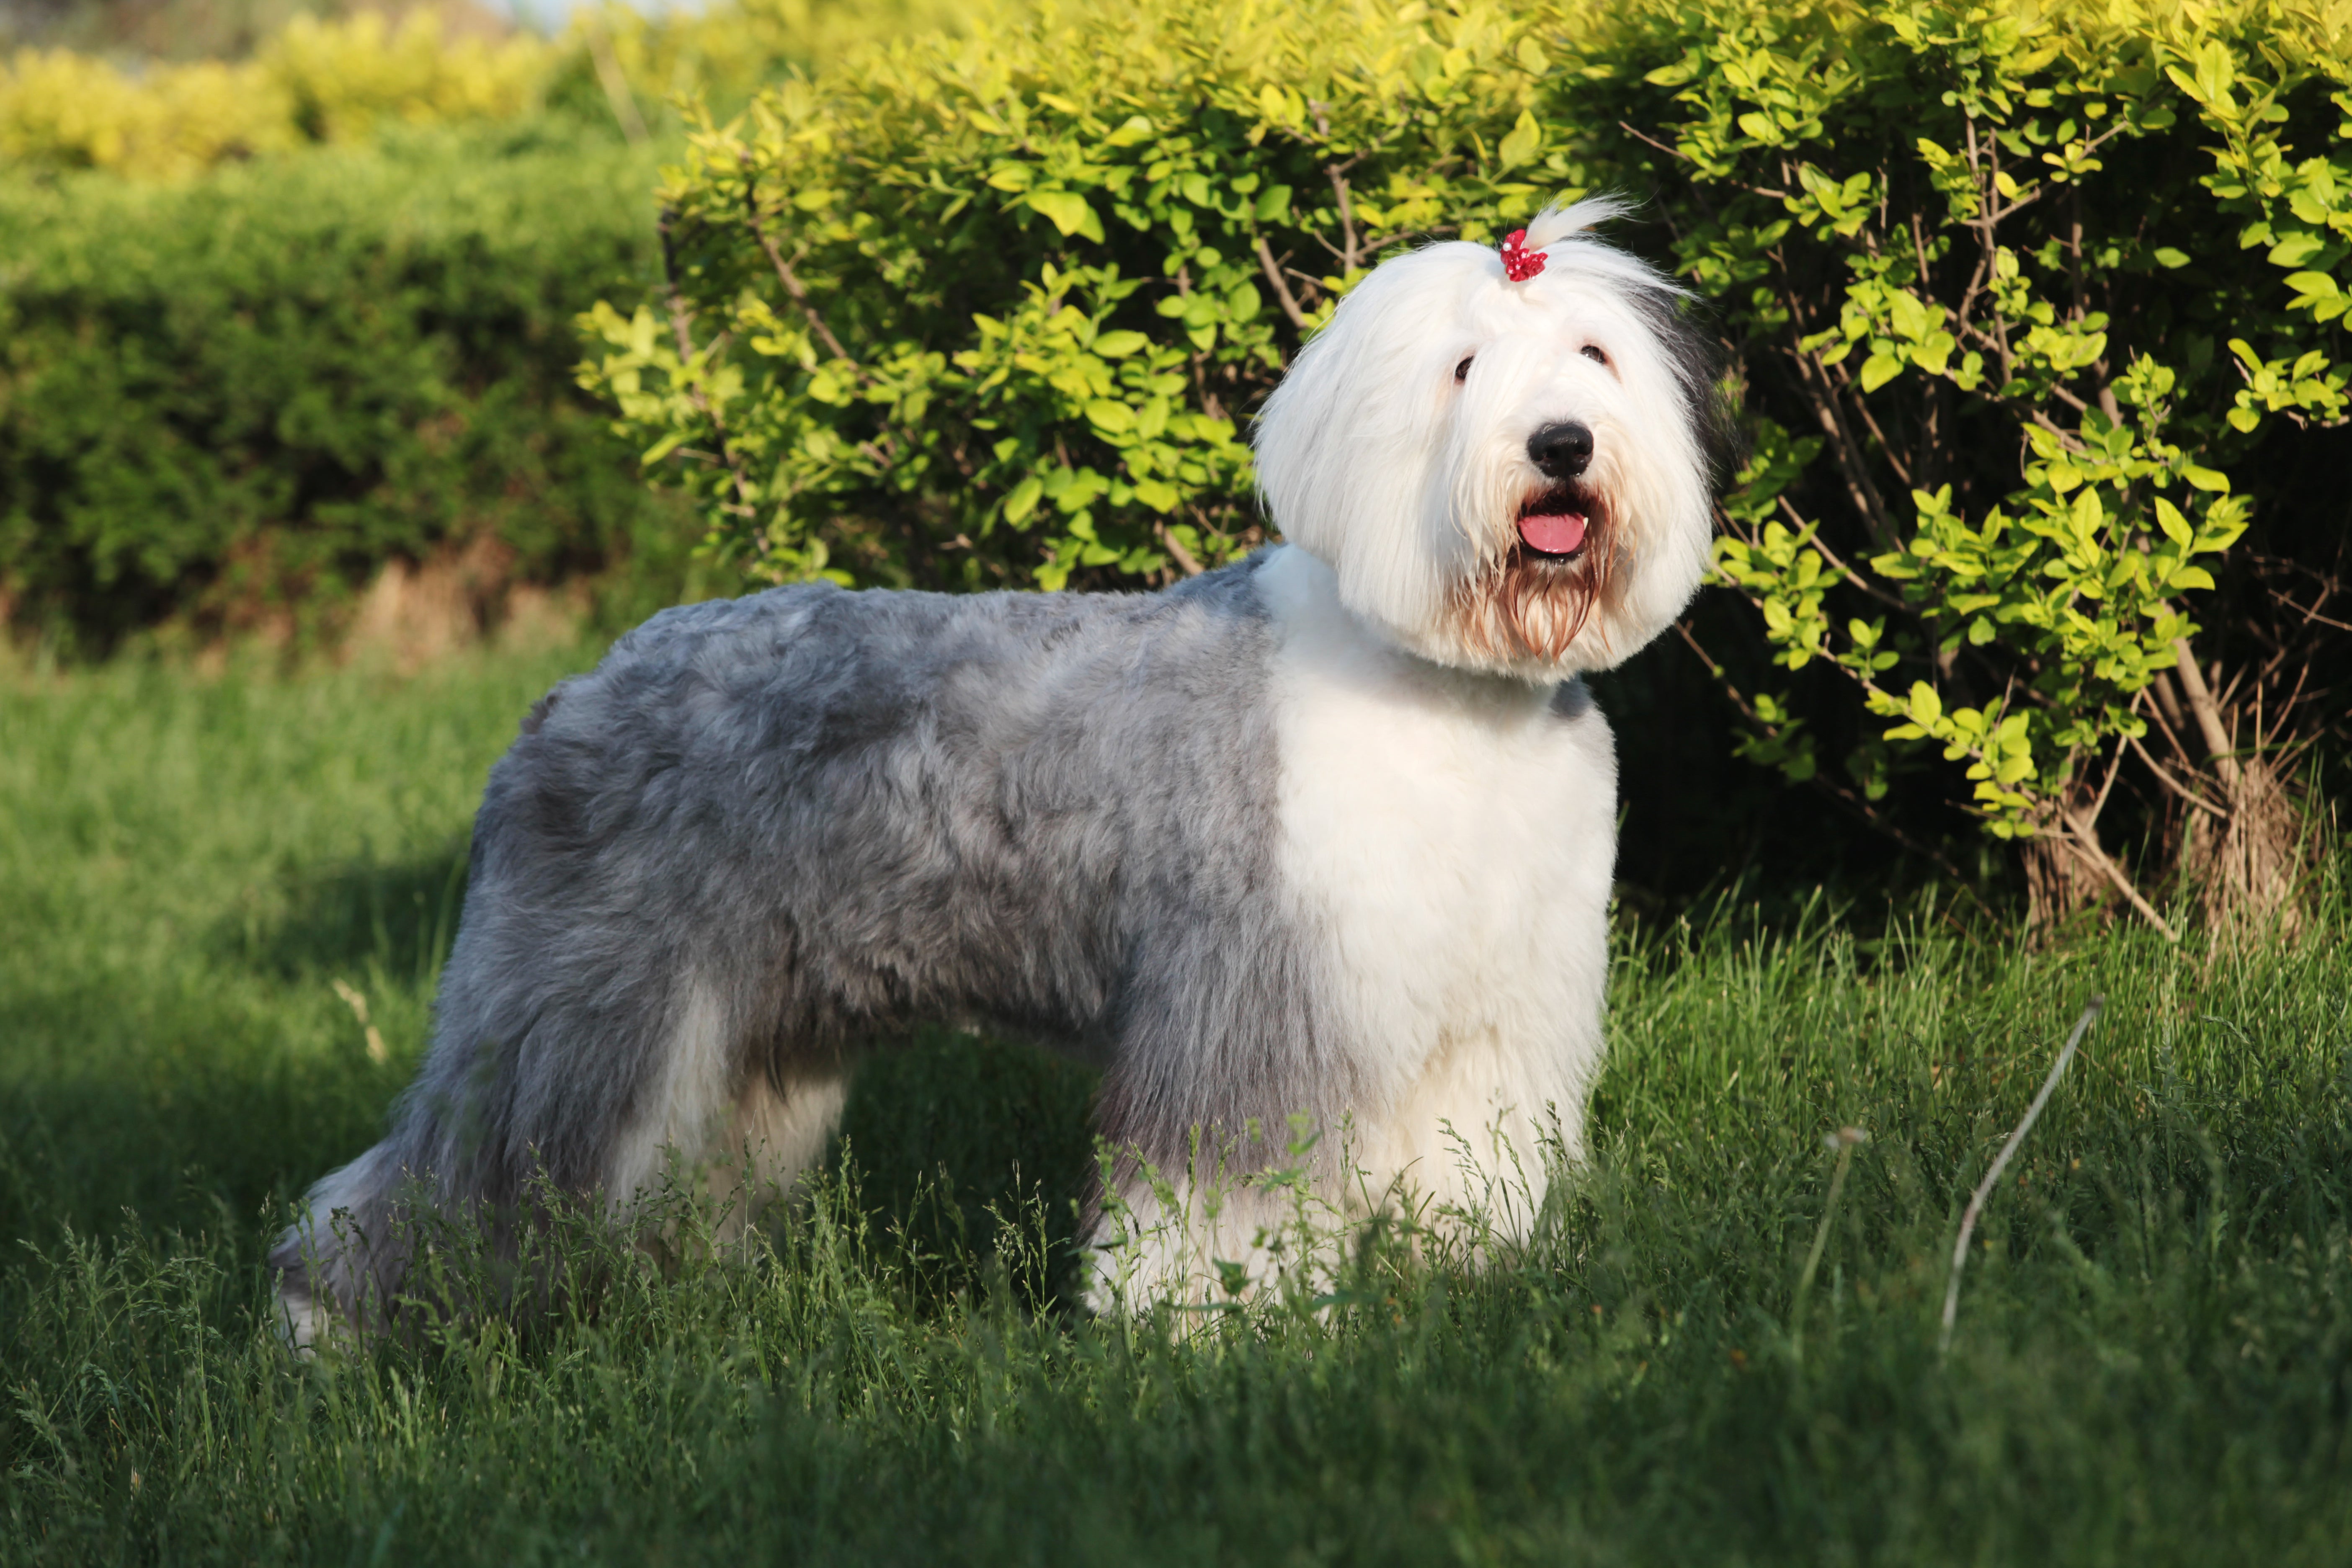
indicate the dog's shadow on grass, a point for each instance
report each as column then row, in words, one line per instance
column 970, row 1156
column 395, row 918
column 218, row 1099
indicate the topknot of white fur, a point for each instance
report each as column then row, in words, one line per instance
column 1397, row 450
column 1557, row 223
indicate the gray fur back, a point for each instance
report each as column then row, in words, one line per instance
column 838, row 813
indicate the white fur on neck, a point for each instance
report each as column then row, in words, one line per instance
column 1451, row 836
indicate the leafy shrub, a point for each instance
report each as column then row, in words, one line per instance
column 725, row 53
column 342, row 79
column 60, row 110
column 240, row 396
column 993, row 310
column 345, row 76
column 2011, row 293
column 2015, row 296
column 315, row 81
column 245, row 393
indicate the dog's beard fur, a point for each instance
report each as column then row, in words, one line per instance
column 1522, row 604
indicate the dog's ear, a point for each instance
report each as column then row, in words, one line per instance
column 1701, row 363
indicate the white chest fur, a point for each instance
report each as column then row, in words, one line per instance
column 1451, row 836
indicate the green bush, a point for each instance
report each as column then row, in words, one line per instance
column 2015, row 297
column 994, row 310
column 236, row 399
column 2010, row 292
column 341, row 79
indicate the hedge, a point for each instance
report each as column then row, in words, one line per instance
column 2011, row 292
column 267, row 323
column 239, row 396
column 345, row 79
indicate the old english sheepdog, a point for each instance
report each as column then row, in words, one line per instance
column 1328, row 831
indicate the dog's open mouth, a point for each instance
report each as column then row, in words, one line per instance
column 1554, row 524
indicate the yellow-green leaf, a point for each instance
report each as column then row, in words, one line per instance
column 1022, row 500
column 2176, row 527
column 1065, row 210
column 1523, row 142
column 2297, row 248
column 1909, row 316
column 1878, row 370
column 1156, row 494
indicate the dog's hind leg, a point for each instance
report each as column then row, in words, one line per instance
column 325, row 1286
column 740, row 1130
column 775, row 1135
column 489, row 1135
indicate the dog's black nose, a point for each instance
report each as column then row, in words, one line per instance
column 1562, row 451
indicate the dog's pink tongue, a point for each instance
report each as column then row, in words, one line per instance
column 1559, row 533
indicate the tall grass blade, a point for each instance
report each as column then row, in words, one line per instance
column 1984, row 1188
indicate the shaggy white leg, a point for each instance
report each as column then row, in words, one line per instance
column 774, row 1137
column 744, row 1143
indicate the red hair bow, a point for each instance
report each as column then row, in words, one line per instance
column 1519, row 263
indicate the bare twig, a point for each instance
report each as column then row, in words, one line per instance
column 1984, row 1188
column 2085, row 844
column 2169, row 719
column 615, row 83
column 1829, row 409
column 2068, row 398
column 1273, row 271
column 2186, row 794
column 1886, row 448
column 2099, row 803
column 1176, row 552
column 2208, row 715
column 1670, row 152
column 1988, row 245
column 681, row 327
column 1211, row 403
column 2310, row 616
column 1807, row 533
column 2067, row 438
column 1347, row 254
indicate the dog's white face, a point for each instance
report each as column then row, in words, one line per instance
column 1509, row 476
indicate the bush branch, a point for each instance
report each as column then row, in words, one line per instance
column 1273, row 271
column 681, row 327
column 784, row 273
column 2207, row 712
column 2085, row 845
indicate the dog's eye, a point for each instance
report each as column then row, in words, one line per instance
column 1462, row 371
column 1595, row 352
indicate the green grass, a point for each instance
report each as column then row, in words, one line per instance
column 2153, row 1363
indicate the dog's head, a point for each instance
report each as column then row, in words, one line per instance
column 1508, row 475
